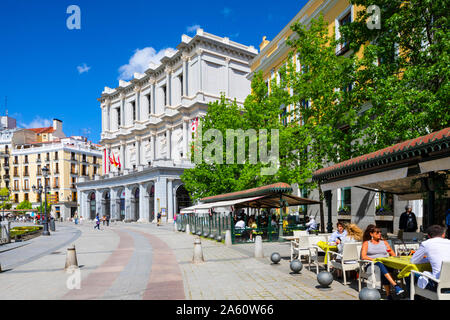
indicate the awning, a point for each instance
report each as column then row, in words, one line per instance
column 201, row 208
column 368, row 179
column 269, row 201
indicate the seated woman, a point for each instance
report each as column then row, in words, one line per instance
column 375, row 247
column 252, row 224
column 352, row 234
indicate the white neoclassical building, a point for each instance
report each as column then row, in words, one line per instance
column 147, row 126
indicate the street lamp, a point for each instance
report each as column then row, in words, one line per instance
column 45, row 171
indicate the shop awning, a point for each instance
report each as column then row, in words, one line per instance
column 401, row 169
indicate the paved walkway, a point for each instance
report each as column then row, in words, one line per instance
column 143, row 261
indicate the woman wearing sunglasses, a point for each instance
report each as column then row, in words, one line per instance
column 375, row 247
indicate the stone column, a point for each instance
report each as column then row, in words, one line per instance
column 185, row 137
column 122, row 110
column 98, row 203
column 122, row 155
column 169, row 142
column 113, row 204
column 128, row 195
column 152, row 96
column 199, row 53
column 108, row 115
column 227, row 62
column 144, row 215
column 152, row 145
column 137, row 102
column 138, row 150
column 170, row 200
column 185, row 75
column 168, row 86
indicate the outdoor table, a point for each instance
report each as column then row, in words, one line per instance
column 326, row 246
column 289, row 238
column 403, row 263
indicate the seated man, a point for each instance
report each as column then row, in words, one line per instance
column 240, row 224
column 434, row 250
column 311, row 224
column 339, row 234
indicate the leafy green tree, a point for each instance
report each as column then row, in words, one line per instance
column 5, row 204
column 404, row 70
column 25, row 204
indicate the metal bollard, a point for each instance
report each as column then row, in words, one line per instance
column 71, row 259
column 198, row 251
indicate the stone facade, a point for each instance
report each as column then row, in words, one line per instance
column 148, row 122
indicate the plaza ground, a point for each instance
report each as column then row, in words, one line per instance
column 132, row 261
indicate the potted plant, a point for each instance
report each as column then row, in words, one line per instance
column 345, row 210
column 383, row 210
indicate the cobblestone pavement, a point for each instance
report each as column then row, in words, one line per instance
column 143, row 261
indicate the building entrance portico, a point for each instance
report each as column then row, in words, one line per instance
column 135, row 197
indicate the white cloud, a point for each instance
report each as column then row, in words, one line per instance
column 193, row 28
column 84, row 68
column 37, row 122
column 140, row 61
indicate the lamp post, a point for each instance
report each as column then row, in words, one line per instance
column 45, row 171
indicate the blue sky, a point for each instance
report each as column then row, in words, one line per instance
column 48, row 71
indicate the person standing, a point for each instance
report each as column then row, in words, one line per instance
column 97, row 222
column 107, row 220
column 408, row 221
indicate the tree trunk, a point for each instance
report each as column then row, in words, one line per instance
column 322, row 215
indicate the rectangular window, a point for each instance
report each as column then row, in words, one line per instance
column 344, row 200
column 56, row 155
column 181, row 84
column 26, row 185
column 118, row 117
column 165, row 100
column 16, row 185
column 149, row 97
column 26, row 197
column 133, row 105
column 26, row 159
column 345, row 18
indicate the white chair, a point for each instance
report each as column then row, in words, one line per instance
column 302, row 248
column 298, row 233
column 442, row 283
column 372, row 276
column 347, row 261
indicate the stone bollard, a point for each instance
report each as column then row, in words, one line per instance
column 198, row 251
column 228, row 241
column 188, row 230
column 259, row 247
column 71, row 259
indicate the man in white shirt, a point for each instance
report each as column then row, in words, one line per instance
column 340, row 233
column 311, row 224
column 434, row 250
column 240, row 224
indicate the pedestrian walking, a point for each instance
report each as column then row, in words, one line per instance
column 158, row 219
column 107, row 220
column 75, row 218
column 97, row 222
column 104, row 220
